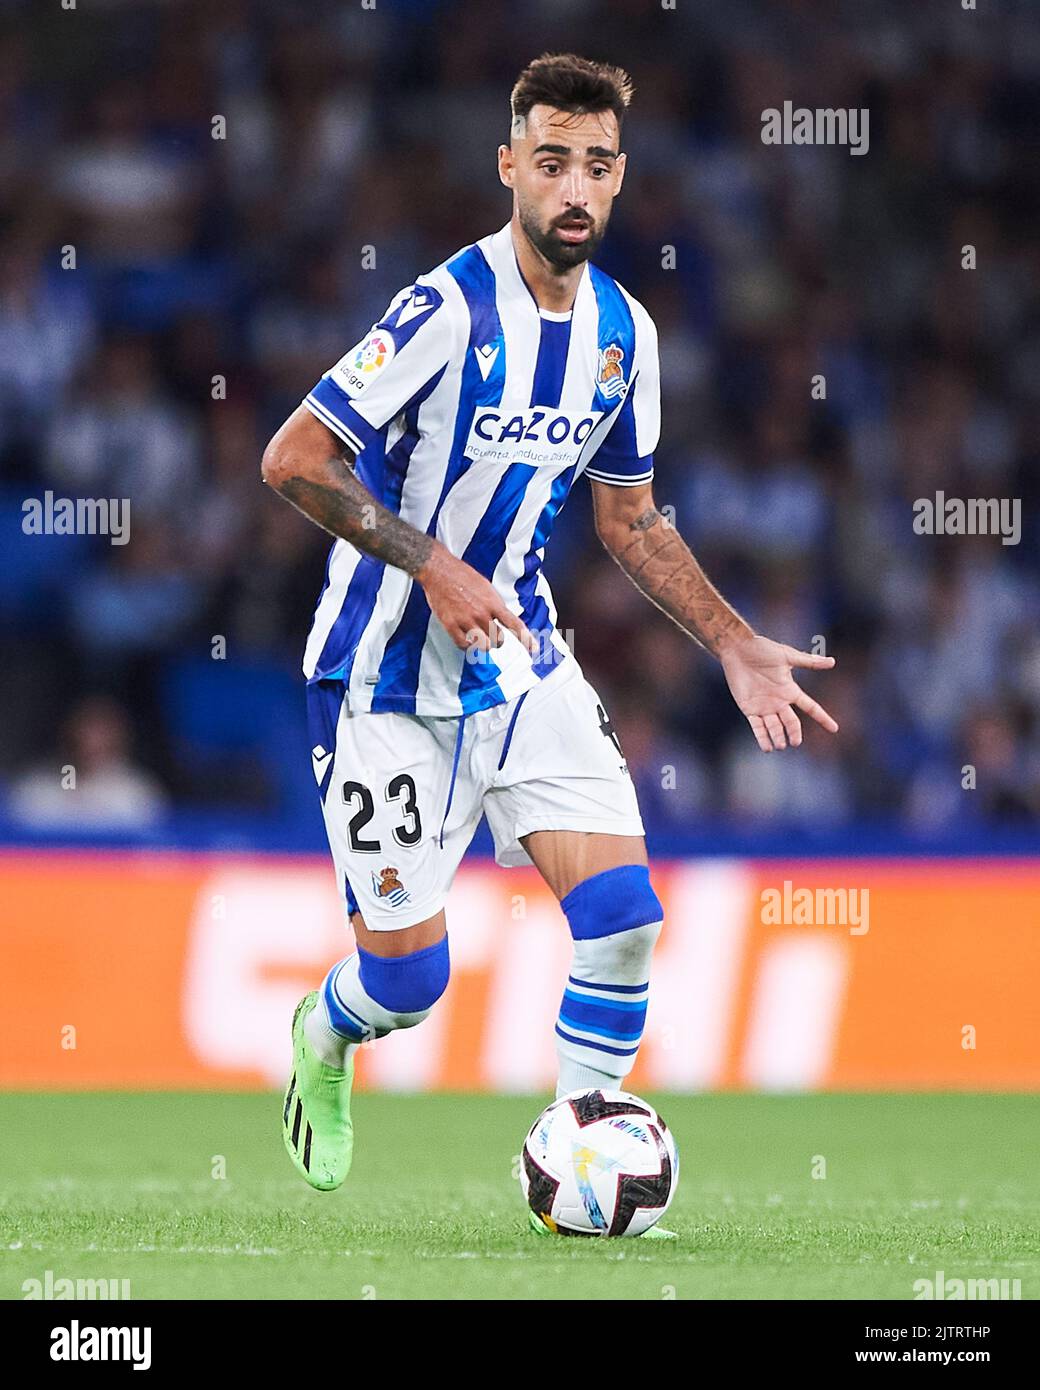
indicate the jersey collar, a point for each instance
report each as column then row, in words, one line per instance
column 511, row 281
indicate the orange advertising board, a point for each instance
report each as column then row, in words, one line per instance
column 149, row 970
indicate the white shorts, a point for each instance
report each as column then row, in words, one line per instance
column 402, row 794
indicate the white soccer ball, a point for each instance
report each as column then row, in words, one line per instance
column 599, row 1163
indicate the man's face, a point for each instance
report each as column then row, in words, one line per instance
column 564, row 169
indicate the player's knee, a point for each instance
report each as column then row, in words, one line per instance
column 406, row 986
column 618, row 904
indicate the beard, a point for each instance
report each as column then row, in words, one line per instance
column 547, row 240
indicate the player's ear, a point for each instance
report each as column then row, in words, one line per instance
column 619, row 172
column 506, row 165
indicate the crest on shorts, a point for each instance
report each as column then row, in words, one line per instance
column 389, row 887
column 610, row 379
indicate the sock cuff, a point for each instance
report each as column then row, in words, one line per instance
column 612, row 901
column 406, row 984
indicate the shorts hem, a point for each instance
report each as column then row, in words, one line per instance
column 399, row 922
column 514, row 856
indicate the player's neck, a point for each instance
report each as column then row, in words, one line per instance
column 553, row 289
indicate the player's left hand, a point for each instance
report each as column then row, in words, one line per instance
column 758, row 671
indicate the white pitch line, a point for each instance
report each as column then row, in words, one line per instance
column 224, row 1250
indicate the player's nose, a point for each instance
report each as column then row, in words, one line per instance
column 576, row 191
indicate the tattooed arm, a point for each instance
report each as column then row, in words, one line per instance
column 311, row 468
column 660, row 564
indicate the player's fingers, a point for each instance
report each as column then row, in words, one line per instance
column 516, row 627
column 758, row 728
column 776, row 730
column 478, row 638
column 815, row 711
column 808, row 659
column 792, row 726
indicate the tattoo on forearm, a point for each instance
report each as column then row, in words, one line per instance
column 660, row 565
column 645, row 520
column 341, row 504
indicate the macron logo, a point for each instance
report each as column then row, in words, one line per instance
column 320, row 760
column 418, row 304
column 486, row 358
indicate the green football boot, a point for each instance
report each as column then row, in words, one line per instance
column 316, row 1124
column 654, row 1233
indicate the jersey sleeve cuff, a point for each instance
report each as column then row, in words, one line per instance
column 644, row 474
column 333, row 408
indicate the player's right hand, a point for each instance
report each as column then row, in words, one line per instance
column 468, row 606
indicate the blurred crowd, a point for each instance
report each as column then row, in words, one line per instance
column 205, row 205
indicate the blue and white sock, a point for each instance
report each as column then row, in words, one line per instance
column 599, row 1029
column 366, row 996
column 615, row 919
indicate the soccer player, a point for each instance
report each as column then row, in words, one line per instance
column 439, row 452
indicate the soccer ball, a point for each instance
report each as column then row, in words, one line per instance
column 599, row 1163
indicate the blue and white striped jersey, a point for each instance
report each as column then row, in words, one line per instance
column 471, row 413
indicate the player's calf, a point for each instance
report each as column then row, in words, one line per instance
column 615, row 919
column 367, row 996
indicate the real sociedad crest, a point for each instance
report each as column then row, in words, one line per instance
column 610, row 378
column 390, row 888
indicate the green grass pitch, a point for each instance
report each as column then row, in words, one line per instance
column 121, row 1186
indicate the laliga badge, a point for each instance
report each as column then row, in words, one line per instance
column 363, row 364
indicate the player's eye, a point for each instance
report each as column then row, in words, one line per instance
column 599, row 170
column 551, row 168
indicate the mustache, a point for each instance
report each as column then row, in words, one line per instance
column 570, row 218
